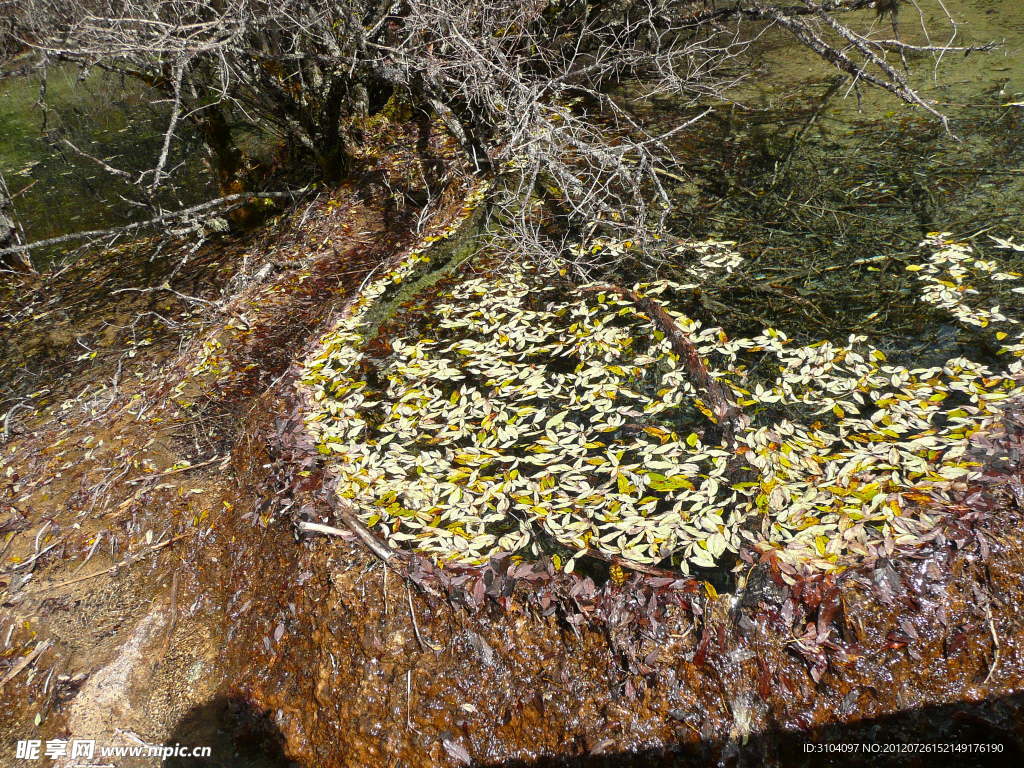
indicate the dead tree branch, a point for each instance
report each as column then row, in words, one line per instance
column 726, row 413
column 207, row 209
column 532, row 92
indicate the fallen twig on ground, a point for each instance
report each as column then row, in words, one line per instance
column 179, row 470
column 995, row 646
column 130, row 560
column 41, row 646
column 424, row 645
column 377, row 547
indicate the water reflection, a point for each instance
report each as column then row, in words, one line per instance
column 56, row 190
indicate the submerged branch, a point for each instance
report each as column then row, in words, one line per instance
column 726, row 413
column 95, row 234
column 343, row 511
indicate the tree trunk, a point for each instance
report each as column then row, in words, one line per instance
column 229, row 165
column 226, row 158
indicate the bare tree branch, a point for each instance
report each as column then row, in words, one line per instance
column 533, row 92
column 210, row 207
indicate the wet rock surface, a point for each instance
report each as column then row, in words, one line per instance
column 353, row 681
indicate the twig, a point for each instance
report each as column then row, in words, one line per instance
column 162, row 218
column 158, row 172
column 41, row 646
column 31, row 561
column 103, row 164
column 165, row 473
column 7, row 546
column 123, row 563
column 408, row 698
column 649, row 570
column 328, row 530
column 415, row 627
column 92, row 551
column 165, row 287
column 379, row 548
column 670, row 175
column 7, row 418
column 899, row 45
column 995, row 645
column 39, row 535
column 724, row 411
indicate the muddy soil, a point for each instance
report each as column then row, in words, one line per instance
column 113, row 478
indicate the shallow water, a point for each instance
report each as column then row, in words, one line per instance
column 335, row 651
column 829, row 191
column 56, row 191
